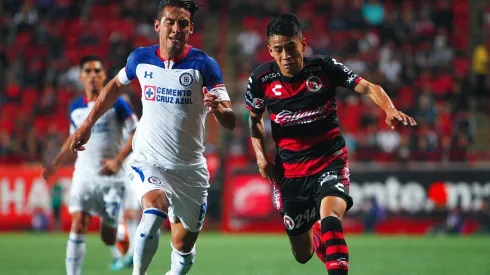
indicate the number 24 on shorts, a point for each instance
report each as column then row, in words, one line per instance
column 298, row 221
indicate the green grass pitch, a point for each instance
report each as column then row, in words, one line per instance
column 43, row 254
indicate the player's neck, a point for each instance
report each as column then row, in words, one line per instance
column 171, row 55
column 91, row 96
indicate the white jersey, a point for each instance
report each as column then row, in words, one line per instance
column 170, row 133
column 106, row 137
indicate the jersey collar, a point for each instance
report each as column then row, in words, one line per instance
column 179, row 58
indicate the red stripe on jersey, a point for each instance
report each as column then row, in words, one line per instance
column 332, row 235
column 297, row 144
column 337, row 249
column 344, row 265
column 313, row 166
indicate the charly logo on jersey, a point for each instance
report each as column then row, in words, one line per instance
column 186, row 79
column 150, row 92
column 154, row 180
column 313, row 83
column 288, row 222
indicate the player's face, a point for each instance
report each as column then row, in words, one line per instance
column 93, row 76
column 288, row 53
column 174, row 28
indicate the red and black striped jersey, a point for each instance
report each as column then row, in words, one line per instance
column 303, row 113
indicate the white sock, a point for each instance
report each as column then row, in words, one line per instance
column 115, row 253
column 131, row 226
column 75, row 254
column 181, row 262
column 147, row 239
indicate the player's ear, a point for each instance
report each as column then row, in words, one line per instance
column 270, row 50
column 191, row 28
column 304, row 45
column 103, row 75
column 156, row 24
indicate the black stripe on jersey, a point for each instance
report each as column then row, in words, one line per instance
column 314, row 152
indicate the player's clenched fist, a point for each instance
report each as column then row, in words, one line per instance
column 80, row 138
column 210, row 101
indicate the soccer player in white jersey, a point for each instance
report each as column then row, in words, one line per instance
column 98, row 183
column 180, row 86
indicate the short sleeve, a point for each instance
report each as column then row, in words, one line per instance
column 73, row 126
column 254, row 97
column 341, row 74
column 123, row 110
column 73, row 129
column 213, row 79
column 125, row 115
column 128, row 73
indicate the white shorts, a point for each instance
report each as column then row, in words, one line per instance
column 97, row 197
column 131, row 201
column 186, row 190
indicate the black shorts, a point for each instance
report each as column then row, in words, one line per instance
column 301, row 197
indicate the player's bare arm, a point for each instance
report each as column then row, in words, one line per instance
column 258, row 136
column 112, row 166
column 379, row 96
column 63, row 155
column 221, row 110
column 104, row 102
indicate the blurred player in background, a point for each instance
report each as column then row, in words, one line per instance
column 180, row 86
column 98, row 185
column 310, row 173
column 129, row 222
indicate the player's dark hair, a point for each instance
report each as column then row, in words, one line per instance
column 89, row 58
column 188, row 5
column 284, row 24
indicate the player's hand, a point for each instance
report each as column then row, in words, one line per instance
column 80, row 138
column 110, row 166
column 266, row 169
column 48, row 171
column 210, row 101
column 395, row 115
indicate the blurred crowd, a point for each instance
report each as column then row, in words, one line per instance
column 419, row 51
column 41, row 43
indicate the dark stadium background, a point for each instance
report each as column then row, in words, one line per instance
column 431, row 56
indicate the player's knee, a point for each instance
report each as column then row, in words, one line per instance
column 155, row 199
column 130, row 215
column 182, row 246
column 108, row 234
column 302, row 257
column 109, row 239
column 79, row 223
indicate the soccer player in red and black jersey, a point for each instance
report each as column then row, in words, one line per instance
column 311, row 171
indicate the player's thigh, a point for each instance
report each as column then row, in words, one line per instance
column 188, row 198
column 149, row 185
column 332, row 194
